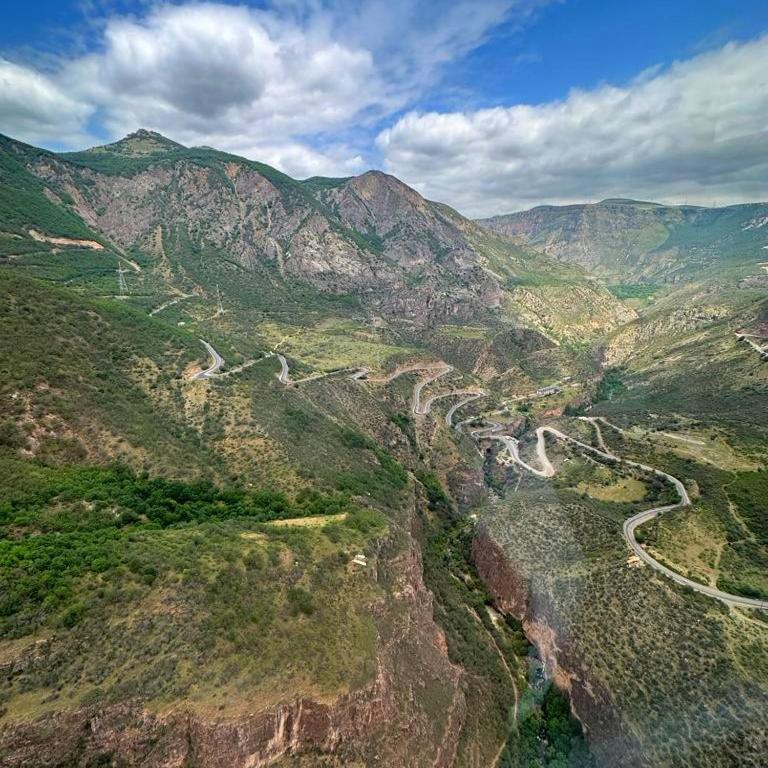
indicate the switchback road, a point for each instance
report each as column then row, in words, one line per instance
column 216, row 362
column 631, row 524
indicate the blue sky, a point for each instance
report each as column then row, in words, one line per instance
column 490, row 105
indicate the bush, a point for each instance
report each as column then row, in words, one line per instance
column 300, row 601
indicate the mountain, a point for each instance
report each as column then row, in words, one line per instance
column 273, row 489
column 628, row 240
column 370, row 237
column 242, row 569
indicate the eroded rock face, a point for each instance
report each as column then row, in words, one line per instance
column 390, row 722
column 370, row 234
column 127, row 734
column 638, row 335
column 590, row 702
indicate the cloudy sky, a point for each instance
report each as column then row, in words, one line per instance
column 489, row 105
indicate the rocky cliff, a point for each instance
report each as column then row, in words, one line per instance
column 591, row 703
column 369, row 235
column 180, row 210
column 413, row 677
column 628, row 240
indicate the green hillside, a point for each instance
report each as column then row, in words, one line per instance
column 336, row 549
column 627, row 241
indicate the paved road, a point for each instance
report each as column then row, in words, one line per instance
column 513, row 444
column 455, row 407
column 434, row 371
column 285, row 377
column 484, row 432
column 213, row 370
column 628, row 529
column 472, row 393
column 216, row 362
column 416, row 406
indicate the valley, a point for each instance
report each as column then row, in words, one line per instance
column 323, row 473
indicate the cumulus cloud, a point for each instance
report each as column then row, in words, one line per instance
column 280, row 81
column 193, row 70
column 36, row 107
column 695, row 131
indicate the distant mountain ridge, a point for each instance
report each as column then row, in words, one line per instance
column 637, row 240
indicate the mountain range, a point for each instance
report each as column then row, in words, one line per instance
column 628, row 240
column 281, row 481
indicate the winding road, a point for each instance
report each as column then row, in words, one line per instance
column 416, row 405
column 438, row 370
column 216, row 362
column 285, row 378
column 631, row 524
column 455, row 407
column 213, row 370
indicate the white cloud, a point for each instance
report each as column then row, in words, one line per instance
column 198, row 68
column 35, row 108
column 283, row 80
column 297, row 159
column 696, row 131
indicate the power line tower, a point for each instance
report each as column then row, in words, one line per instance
column 122, row 285
column 218, row 298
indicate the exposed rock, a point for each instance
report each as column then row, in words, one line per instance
column 590, row 702
column 358, row 726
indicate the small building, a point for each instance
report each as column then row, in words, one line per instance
column 361, row 560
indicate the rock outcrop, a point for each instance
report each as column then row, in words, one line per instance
column 358, row 726
column 590, row 702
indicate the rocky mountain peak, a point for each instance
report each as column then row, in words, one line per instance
column 139, row 143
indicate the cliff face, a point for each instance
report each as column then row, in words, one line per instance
column 590, row 702
column 416, row 693
column 130, row 735
column 369, row 234
column 632, row 240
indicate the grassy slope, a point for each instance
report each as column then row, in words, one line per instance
column 699, row 394
column 630, row 242
column 690, row 693
column 89, row 552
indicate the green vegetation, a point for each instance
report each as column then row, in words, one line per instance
column 494, row 652
column 474, row 641
column 633, row 290
column 549, row 737
column 749, row 492
column 24, row 204
column 202, row 613
column 701, row 680
column 388, row 478
column 611, row 385
column 84, row 520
